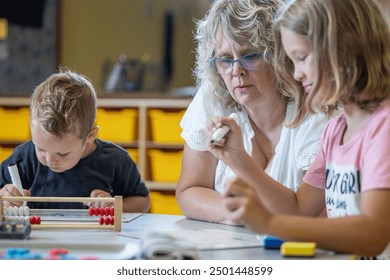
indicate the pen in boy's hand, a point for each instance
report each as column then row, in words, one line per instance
column 13, row 171
column 223, row 130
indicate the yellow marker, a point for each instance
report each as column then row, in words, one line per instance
column 3, row 28
column 298, row 249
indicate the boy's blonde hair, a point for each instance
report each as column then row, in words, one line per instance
column 65, row 103
column 351, row 43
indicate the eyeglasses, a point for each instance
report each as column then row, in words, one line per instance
column 249, row 62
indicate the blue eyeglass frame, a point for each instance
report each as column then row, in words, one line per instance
column 232, row 61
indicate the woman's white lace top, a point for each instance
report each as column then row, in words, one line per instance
column 294, row 153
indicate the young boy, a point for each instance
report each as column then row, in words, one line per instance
column 65, row 158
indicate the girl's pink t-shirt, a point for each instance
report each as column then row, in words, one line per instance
column 347, row 170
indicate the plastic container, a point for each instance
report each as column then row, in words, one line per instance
column 133, row 154
column 117, row 125
column 164, row 204
column 5, row 152
column 15, row 124
column 165, row 126
column 165, row 165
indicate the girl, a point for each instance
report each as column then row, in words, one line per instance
column 339, row 51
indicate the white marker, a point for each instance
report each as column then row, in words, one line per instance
column 223, row 130
column 13, row 171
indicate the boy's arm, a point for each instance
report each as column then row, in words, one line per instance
column 136, row 204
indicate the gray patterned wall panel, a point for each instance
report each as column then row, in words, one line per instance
column 31, row 53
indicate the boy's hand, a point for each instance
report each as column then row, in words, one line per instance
column 100, row 193
column 11, row 190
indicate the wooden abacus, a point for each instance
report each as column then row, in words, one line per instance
column 117, row 200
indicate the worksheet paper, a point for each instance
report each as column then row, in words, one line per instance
column 206, row 239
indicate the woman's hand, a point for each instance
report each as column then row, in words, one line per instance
column 231, row 147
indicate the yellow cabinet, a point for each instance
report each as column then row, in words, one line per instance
column 117, row 125
column 14, row 124
column 164, row 204
column 165, row 126
column 147, row 126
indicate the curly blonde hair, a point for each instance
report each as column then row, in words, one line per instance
column 244, row 21
column 65, row 103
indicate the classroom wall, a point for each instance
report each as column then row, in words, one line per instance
column 28, row 54
column 94, row 32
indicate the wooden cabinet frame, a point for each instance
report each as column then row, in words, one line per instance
column 141, row 102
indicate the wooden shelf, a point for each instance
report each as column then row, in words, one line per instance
column 161, row 186
column 142, row 102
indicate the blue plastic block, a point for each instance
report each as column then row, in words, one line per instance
column 271, row 242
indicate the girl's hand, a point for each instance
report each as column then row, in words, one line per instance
column 245, row 207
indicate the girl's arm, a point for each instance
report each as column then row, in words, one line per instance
column 366, row 234
column 276, row 197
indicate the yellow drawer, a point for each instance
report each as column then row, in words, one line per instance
column 165, row 165
column 165, row 126
column 117, row 125
column 5, row 153
column 15, row 124
column 164, row 204
column 133, row 154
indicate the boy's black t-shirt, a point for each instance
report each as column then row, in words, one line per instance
column 109, row 168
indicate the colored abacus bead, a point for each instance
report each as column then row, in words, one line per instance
column 91, row 211
column 58, row 251
column 97, row 211
column 26, row 210
column 33, row 220
column 15, row 210
column 21, row 211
